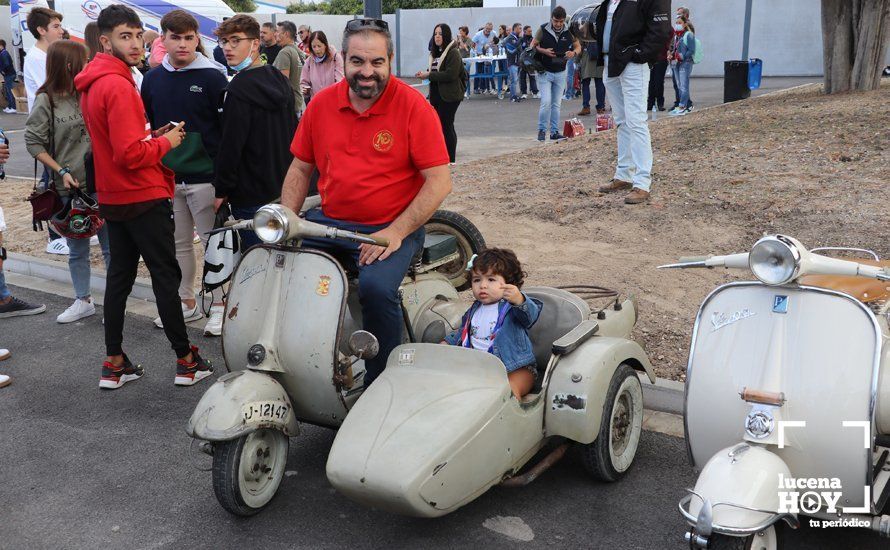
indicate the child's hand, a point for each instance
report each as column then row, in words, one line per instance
column 513, row 295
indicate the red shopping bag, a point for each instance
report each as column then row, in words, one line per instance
column 604, row 121
column 573, row 128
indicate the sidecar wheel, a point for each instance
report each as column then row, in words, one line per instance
column 610, row 456
column 769, row 539
column 469, row 242
column 247, row 471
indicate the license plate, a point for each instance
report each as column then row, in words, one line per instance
column 264, row 411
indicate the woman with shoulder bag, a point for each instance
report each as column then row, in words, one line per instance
column 448, row 81
column 323, row 68
column 56, row 135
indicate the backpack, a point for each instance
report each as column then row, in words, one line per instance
column 699, row 53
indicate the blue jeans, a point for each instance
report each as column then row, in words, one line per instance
column 378, row 285
column 4, row 290
column 514, row 81
column 9, row 84
column 248, row 236
column 600, row 93
column 79, row 261
column 683, row 70
column 552, row 86
column 674, row 79
column 570, row 80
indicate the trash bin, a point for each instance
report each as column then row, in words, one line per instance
column 735, row 81
column 755, row 69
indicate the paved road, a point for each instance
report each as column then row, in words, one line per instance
column 485, row 125
column 84, row 468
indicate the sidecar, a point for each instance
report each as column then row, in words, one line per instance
column 441, row 426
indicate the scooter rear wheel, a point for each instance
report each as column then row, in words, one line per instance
column 469, row 241
column 611, row 455
column 247, row 471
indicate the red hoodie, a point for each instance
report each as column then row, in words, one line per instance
column 127, row 160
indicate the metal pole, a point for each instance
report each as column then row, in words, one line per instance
column 398, row 43
column 374, row 9
column 746, row 35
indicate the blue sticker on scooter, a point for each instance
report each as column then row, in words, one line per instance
column 780, row 304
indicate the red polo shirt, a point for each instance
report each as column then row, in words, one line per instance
column 369, row 163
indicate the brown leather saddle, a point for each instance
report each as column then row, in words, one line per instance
column 863, row 289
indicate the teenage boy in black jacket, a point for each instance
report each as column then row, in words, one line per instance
column 188, row 87
column 259, row 120
column 631, row 35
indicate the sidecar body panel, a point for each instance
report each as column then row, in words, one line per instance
column 292, row 303
column 434, row 431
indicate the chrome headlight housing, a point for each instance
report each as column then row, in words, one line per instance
column 270, row 223
column 774, row 260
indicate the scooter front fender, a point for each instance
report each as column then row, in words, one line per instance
column 241, row 402
column 739, row 491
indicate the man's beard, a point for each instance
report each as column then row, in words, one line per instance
column 369, row 92
column 122, row 57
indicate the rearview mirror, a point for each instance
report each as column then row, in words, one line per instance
column 364, row 345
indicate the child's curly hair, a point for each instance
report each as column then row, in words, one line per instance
column 500, row 261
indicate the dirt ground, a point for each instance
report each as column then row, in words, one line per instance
column 800, row 163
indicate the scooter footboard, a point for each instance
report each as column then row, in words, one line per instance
column 239, row 403
column 737, row 492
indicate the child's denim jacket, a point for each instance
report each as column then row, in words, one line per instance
column 511, row 342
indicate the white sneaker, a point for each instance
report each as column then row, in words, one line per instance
column 524, row 96
column 214, row 321
column 94, row 240
column 536, row 96
column 188, row 314
column 78, row 310
column 57, row 246
column 9, row 110
column 4, row 354
column 5, row 380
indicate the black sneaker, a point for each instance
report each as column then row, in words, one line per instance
column 542, row 135
column 188, row 374
column 115, row 377
column 557, row 137
column 16, row 307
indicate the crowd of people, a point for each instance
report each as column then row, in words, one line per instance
column 225, row 138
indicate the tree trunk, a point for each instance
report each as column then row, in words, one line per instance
column 855, row 35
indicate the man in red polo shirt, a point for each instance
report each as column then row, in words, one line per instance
column 383, row 168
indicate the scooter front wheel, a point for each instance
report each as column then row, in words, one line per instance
column 768, row 539
column 247, row 471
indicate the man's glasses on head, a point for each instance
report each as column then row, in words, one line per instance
column 359, row 24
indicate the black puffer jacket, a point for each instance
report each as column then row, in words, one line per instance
column 640, row 29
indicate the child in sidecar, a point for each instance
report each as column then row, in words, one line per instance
column 499, row 319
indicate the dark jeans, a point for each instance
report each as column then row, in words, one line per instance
column 480, row 84
column 378, row 285
column 446, row 111
column 248, row 236
column 8, row 84
column 677, row 88
column 523, row 89
column 656, row 85
column 149, row 235
column 600, row 93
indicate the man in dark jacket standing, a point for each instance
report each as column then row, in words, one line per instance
column 556, row 46
column 631, row 35
column 134, row 191
column 258, row 122
column 7, row 69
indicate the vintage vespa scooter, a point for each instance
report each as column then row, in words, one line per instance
column 293, row 343
column 787, row 402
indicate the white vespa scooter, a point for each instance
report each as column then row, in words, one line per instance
column 788, row 397
column 439, row 426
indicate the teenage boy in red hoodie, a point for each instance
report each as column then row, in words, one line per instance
column 135, row 192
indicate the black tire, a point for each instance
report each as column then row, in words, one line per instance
column 723, row 542
column 227, row 481
column 625, row 418
column 469, row 242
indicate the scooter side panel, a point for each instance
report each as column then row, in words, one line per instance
column 816, row 347
column 435, row 430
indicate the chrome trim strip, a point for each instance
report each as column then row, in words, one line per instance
column 871, row 253
column 790, row 519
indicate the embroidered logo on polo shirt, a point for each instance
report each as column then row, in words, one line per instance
column 383, row 141
column 196, row 89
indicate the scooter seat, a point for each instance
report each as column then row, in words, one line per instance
column 863, row 289
column 562, row 311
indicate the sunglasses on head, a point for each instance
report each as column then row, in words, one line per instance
column 359, row 24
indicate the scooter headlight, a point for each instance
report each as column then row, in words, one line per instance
column 270, row 224
column 774, row 260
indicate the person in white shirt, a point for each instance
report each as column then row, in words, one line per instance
column 46, row 26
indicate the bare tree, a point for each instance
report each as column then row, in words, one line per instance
column 855, row 35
